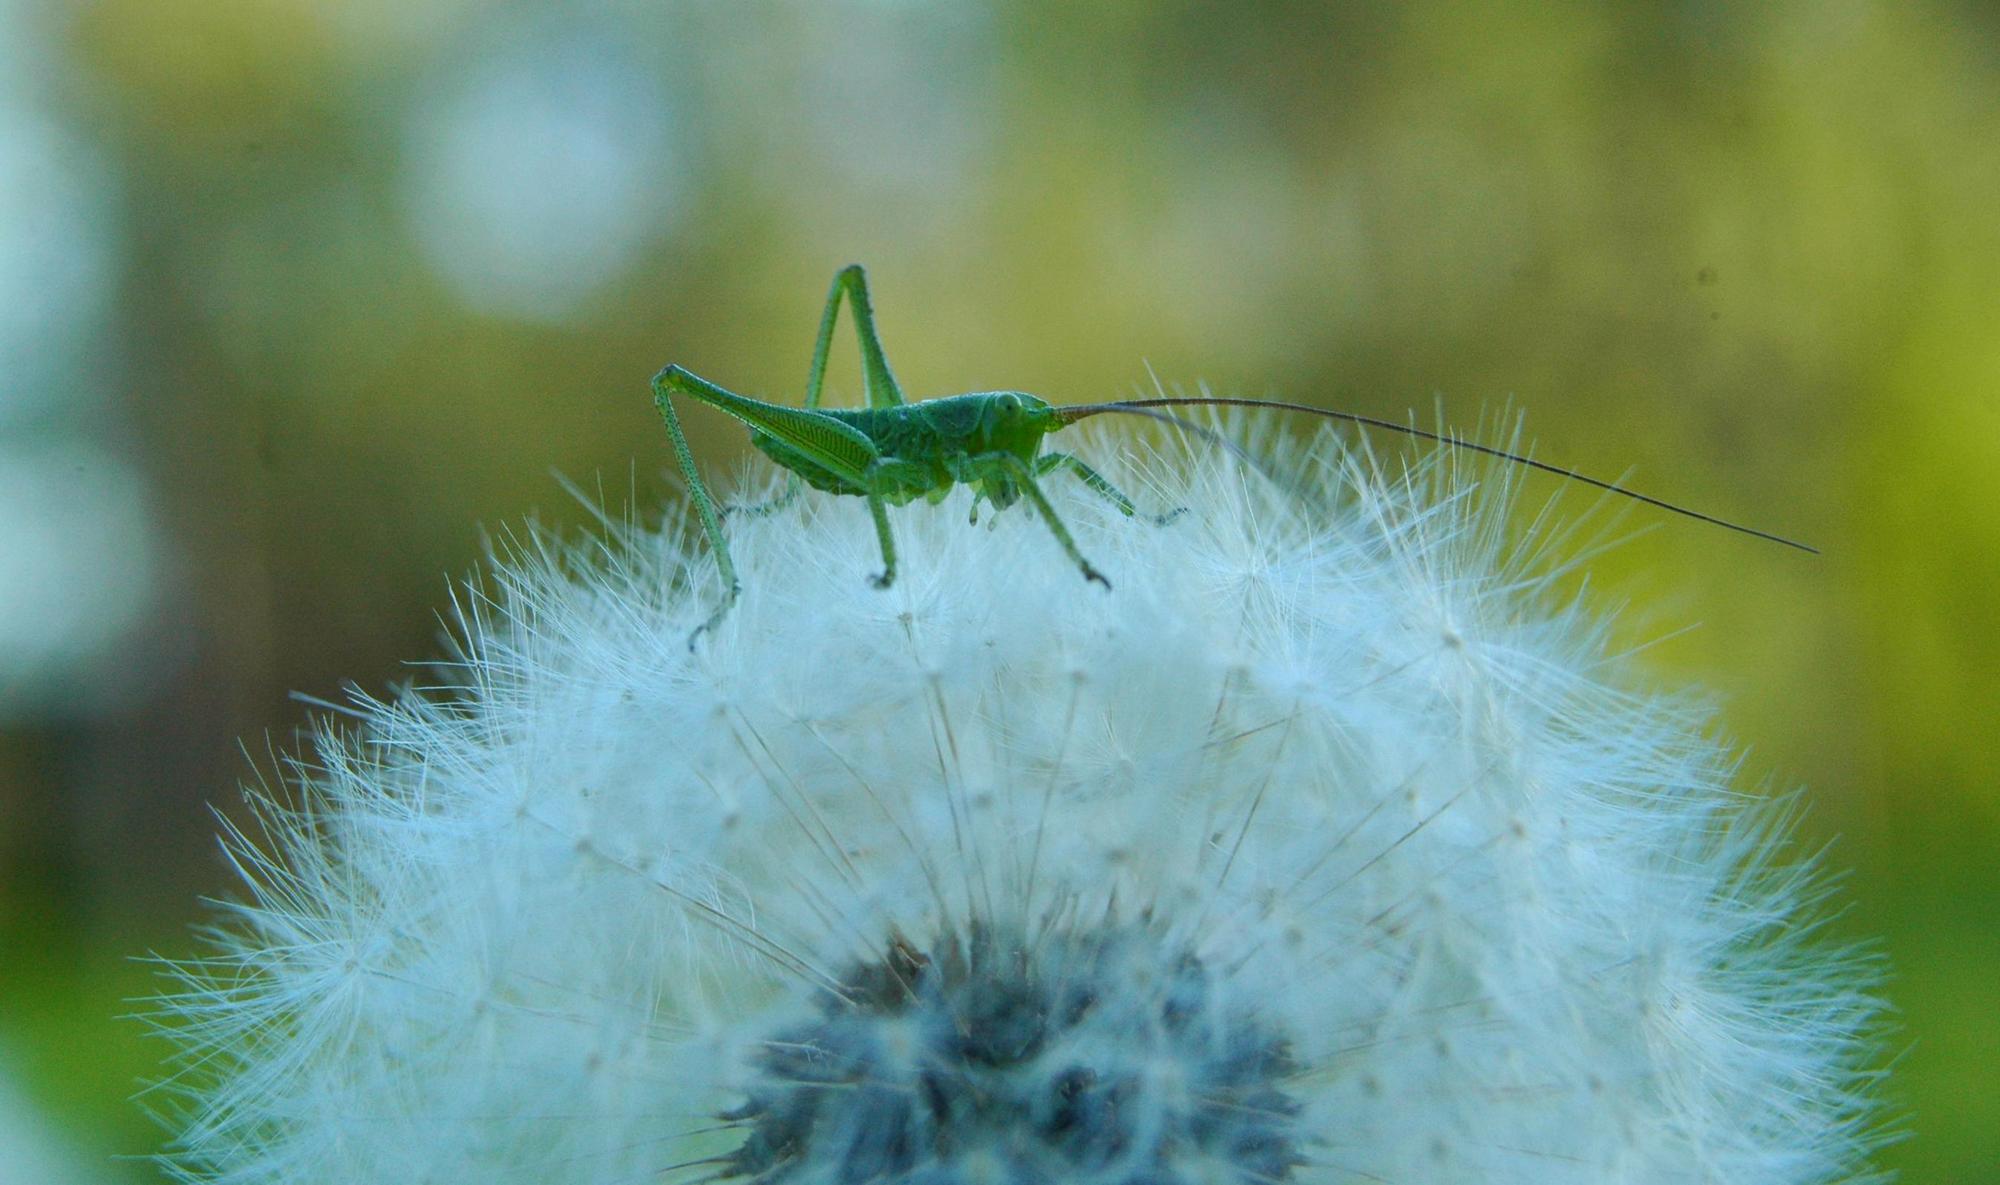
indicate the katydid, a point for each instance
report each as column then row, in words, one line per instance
column 892, row 451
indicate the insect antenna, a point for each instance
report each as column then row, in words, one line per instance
column 1071, row 414
column 1188, row 426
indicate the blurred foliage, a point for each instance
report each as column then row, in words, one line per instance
column 377, row 268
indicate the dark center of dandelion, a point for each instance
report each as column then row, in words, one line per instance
column 1095, row 1055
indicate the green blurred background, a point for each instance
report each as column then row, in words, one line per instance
column 297, row 295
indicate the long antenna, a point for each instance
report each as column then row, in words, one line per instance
column 1071, row 414
column 1193, row 429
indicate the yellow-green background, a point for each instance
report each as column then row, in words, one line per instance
column 1748, row 253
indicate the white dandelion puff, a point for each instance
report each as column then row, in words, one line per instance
column 1332, row 846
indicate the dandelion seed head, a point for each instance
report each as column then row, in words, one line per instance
column 1332, row 846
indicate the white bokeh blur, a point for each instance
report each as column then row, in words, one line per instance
column 537, row 171
column 78, row 557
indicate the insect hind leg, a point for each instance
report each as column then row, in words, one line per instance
column 877, row 380
column 667, row 384
column 1101, row 486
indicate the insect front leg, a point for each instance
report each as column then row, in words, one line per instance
column 1023, row 475
column 1050, row 462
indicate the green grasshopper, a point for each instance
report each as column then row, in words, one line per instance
column 893, row 451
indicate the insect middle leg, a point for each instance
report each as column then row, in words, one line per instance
column 887, row 576
column 893, row 476
column 1101, row 486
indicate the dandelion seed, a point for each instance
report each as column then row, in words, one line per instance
column 1329, row 848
